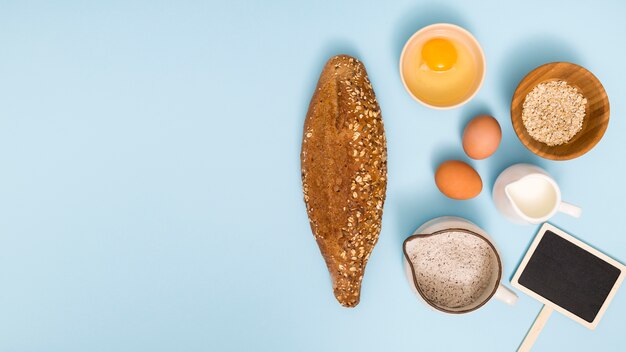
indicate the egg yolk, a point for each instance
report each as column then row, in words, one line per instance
column 439, row 54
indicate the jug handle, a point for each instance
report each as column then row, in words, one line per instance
column 505, row 295
column 570, row 209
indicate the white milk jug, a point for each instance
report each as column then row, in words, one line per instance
column 526, row 193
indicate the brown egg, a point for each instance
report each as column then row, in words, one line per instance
column 457, row 180
column 481, row 137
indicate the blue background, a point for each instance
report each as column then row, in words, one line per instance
column 150, row 195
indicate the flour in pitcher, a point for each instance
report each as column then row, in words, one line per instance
column 453, row 269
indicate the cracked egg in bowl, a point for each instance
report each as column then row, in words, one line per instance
column 442, row 66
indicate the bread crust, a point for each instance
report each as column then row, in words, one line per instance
column 344, row 172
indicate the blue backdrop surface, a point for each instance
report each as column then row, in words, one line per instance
column 150, row 195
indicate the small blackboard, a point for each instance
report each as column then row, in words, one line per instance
column 569, row 275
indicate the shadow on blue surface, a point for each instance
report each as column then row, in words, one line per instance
column 472, row 109
column 415, row 208
column 454, row 151
column 511, row 151
column 420, row 16
column 447, row 152
column 529, row 54
column 526, row 248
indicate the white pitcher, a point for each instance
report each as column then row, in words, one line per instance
column 449, row 223
column 526, row 193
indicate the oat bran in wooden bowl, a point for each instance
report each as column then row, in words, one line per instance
column 565, row 108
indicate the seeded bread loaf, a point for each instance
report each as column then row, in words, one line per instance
column 344, row 172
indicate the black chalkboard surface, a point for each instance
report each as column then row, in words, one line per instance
column 566, row 275
column 569, row 276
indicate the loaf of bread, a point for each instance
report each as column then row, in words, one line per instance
column 344, row 172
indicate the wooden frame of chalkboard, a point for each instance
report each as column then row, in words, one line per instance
column 592, row 320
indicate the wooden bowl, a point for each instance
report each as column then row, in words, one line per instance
column 596, row 112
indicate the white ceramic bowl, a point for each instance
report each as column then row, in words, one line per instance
column 458, row 34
